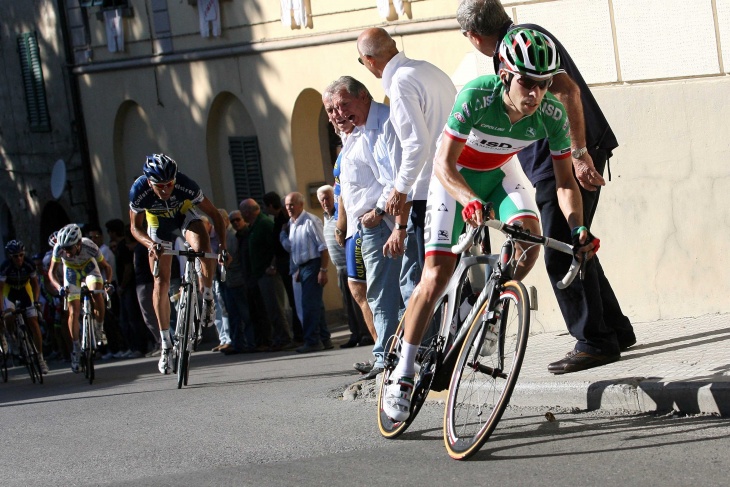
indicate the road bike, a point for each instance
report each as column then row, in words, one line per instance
column 477, row 354
column 89, row 343
column 188, row 326
column 27, row 351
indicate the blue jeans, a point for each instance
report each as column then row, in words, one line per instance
column 412, row 265
column 313, row 322
column 221, row 314
column 382, row 286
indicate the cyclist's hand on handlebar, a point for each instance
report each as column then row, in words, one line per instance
column 473, row 212
column 109, row 288
column 585, row 244
column 155, row 250
column 224, row 258
column 61, row 292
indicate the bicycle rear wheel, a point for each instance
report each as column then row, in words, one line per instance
column 427, row 363
column 481, row 385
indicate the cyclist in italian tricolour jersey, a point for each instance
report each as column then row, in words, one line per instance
column 494, row 117
column 169, row 201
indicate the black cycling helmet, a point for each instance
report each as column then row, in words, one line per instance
column 160, row 168
column 14, row 247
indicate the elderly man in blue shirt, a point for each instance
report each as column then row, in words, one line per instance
column 303, row 238
column 370, row 160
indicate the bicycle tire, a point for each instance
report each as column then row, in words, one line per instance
column 3, row 363
column 481, row 386
column 428, row 367
column 34, row 359
column 88, row 355
column 4, row 366
column 182, row 333
column 25, row 356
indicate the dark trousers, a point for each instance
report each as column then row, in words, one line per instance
column 589, row 306
column 239, row 317
column 418, row 218
column 314, row 324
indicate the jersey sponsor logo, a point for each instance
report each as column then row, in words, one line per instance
column 566, row 125
column 465, row 109
column 443, row 208
column 551, row 110
column 530, row 132
column 443, row 235
column 495, row 145
column 565, row 151
column 492, row 127
column 458, row 116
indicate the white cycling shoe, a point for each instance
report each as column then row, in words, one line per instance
column 164, row 364
column 397, row 400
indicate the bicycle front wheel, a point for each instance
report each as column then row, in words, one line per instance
column 482, row 382
column 35, row 360
column 25, row 353
column 3, row 364
column 88, row 357
column 182, row 332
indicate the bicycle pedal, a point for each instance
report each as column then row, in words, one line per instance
column 532, row 290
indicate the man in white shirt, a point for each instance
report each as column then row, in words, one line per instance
column 303, row 238
column 421, row 97
column 371, row 159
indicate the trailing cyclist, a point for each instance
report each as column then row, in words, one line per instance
column 169, row 202
column 81, row 259
column 19, row 283
column 493, row 118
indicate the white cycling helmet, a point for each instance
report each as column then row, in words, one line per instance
column 69, row 235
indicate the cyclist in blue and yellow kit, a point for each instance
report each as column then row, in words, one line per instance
column 169, row 201
column 19, row 283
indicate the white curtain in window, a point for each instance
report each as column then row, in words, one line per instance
column 209, row 12
column 114, row 30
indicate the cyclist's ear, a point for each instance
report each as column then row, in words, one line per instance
column 506, row 79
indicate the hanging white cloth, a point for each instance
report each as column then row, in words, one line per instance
column 209, row 12
column 114, row 30
column 384, row 7
column 300, row 13
column 286, row 8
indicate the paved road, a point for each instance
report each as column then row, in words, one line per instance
column 279, row 420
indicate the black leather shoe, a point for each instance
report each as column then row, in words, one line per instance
column 372, row 374
column 625, row 344
column 366, row 341
column 352, row 342
column 328, row 345
column 575, row 361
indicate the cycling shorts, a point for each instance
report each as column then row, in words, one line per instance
column 30, row 310
column 355, row 262
column 165, row 230
column 74, row 276
column 502, row 186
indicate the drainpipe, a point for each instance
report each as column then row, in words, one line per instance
column 79, row 124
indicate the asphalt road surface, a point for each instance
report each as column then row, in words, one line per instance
column 280, row 420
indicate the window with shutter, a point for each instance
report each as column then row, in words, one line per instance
column 246, row 162
column 35, row 90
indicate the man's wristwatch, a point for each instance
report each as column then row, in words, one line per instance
column 578, row 153
column 379, row 211
column 398, row 226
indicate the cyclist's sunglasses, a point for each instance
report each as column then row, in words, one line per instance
column 69, row 248
column 16, row 256
column 531, row 83
column 166, row 184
